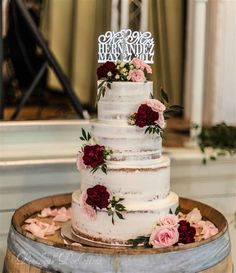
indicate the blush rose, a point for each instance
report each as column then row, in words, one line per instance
column 164, row 236
column 158, row 107
column 169, row 220
column 137, row 75
column 142, row 65
column 87, row 209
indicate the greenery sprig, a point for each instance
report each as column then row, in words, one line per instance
column 177, row 210
column 154, row 129
column 171, row 110
column 116, row 208
column 221, row 138
column 102, row 89
column 106, row 153
column 85, row 136
column 140, row 240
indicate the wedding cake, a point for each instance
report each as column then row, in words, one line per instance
column 125, row 179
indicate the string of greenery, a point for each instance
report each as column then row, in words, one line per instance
column 221, row 138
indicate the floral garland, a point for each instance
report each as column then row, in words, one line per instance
column 180, row 229
column 152, row 114
column 134, row 71
column 92, row 156
column 98, row 197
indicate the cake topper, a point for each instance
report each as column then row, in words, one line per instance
column 125, row 45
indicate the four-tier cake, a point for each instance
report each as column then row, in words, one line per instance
column 122, row 194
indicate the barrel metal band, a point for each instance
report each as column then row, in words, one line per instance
column 68, row 261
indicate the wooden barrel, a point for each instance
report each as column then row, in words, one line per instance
column 26, row 253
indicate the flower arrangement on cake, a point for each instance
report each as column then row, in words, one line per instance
column 152, row 113
column 177, row 229
column 92, row 155
column 98, row 197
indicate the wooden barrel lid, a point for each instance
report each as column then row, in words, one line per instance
column 32, row 208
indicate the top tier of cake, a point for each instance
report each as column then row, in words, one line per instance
column 123, row 99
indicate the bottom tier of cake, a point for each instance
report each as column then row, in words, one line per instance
column 140, row 219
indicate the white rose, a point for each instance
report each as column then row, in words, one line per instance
column 109, row 74
column 122, row 64
column 117, row 77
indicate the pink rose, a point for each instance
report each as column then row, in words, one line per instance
column 87, row 209
column 169, row 220
column 208, row 229
column 148, row 68
column 159, row 107
column 139, row 64
column 156, row 105
column 80, row 162
column 137, row 75
column 164, row 236
column 194, row 216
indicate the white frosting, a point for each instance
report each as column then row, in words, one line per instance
column 123, row 99
column 127, row 142
column 134, row 181
column 136, row 171
column 140, row 219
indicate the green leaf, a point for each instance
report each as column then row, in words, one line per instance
column 89, row 136
column 110, row 212
column 212, row 157
column 120, row 215
column 164, row 96
column 147, row 129
column 177, row 210
column 120, row 207
column 151, row 96
column 82, row 138
column 104, row 168
column 84, row 134
column 101, row 84
column 176, row 108
column 140, row 240
column 170, row 211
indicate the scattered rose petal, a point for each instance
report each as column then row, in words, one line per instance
column 76, row 244
column 194, row 216
column 63, row 215
column 40, row 229
column 47, row 212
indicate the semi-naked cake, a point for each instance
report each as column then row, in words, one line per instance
column 137, row 175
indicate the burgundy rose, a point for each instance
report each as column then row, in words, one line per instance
column 98, row 197
column 145, row 116
column 186, row 232
column 110, row 66
column 102, row 72
column 93, row 155
column 105, row 68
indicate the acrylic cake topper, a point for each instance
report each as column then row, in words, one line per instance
column 125, row 45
